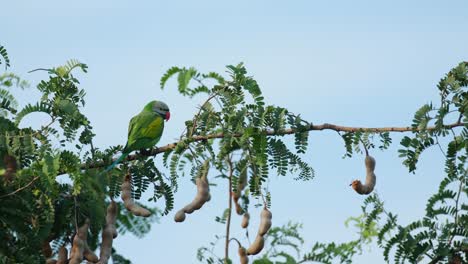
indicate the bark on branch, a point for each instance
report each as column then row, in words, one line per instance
column 289, row 131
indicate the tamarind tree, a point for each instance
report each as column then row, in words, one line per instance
column 234, row 134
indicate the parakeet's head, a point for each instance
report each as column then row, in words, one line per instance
column 160, row 108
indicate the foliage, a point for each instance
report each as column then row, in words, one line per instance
column 236, row 111
column 4, row 57
column 440, row 235
column 52, row 178
column 44, row 183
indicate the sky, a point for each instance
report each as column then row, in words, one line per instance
column 354, row 63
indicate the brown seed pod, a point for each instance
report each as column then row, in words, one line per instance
column 111, row 217
column 46, row 249
column 202, row 196
column 256, row 246
column 11, row 166
column 368, row 187
column 89, row 255
column 179, row 216
column 242, row 180
column 108, row 233
column 265, row 224
column 80, row 247
column 239, row 209
column 62, row 255
column 237, row 194
column 79, row 243
column 265, row 221
column 128, row 201
column 51, row 261
column 245, row 220
column 243, row 255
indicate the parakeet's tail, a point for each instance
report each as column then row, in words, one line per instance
column 117, row 161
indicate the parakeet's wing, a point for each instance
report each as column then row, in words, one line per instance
column 144, row 131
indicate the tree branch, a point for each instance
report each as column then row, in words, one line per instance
column 20, row 189
column 270, row 132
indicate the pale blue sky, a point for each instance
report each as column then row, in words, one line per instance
column 367, row 63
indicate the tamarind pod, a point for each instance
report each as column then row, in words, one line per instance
column 197, row 202
column 79, row 244
column 256, row 246
column 239, row 209
column 203, row 193
column 106, row 246
column 369, row 185
column 245, row 220
column 51, row 261
column 203, row 187
column 243, row 255
column 89, row 255
column 11, row 166
column 188, row 209
column 202, row 196
column 46, row 249
column 240, row 185
column 111, row 215
column 265, row 222
column 108, row 233
column 128, row 201
column 370, row 163
column 242, row 180
column 366, row 188
column 179, row 216
column 235, row 197
column 62, row 255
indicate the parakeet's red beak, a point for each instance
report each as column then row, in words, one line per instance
column 168, row 116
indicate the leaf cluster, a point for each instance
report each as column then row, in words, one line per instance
column 235, row 111
column 46, row 190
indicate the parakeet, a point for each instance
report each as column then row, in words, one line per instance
column 144, row 129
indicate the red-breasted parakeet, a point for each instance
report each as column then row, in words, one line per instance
column 144, row 129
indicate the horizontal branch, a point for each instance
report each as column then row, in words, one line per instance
column 288, row 131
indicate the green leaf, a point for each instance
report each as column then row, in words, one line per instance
column 4, row 55
column 169, row 73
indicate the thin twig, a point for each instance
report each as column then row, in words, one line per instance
column 76, row 214
column 456, row 203
column 228, row 220
column 93, row 150
column 440, row 147
column 195, row 119
column 20, row 189
column 365, row 147
column 40, row 69
column 194, row 155
column 235, row 239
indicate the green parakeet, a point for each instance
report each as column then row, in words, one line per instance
column 144, row 129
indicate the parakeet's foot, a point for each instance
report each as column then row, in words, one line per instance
column 145, row 152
